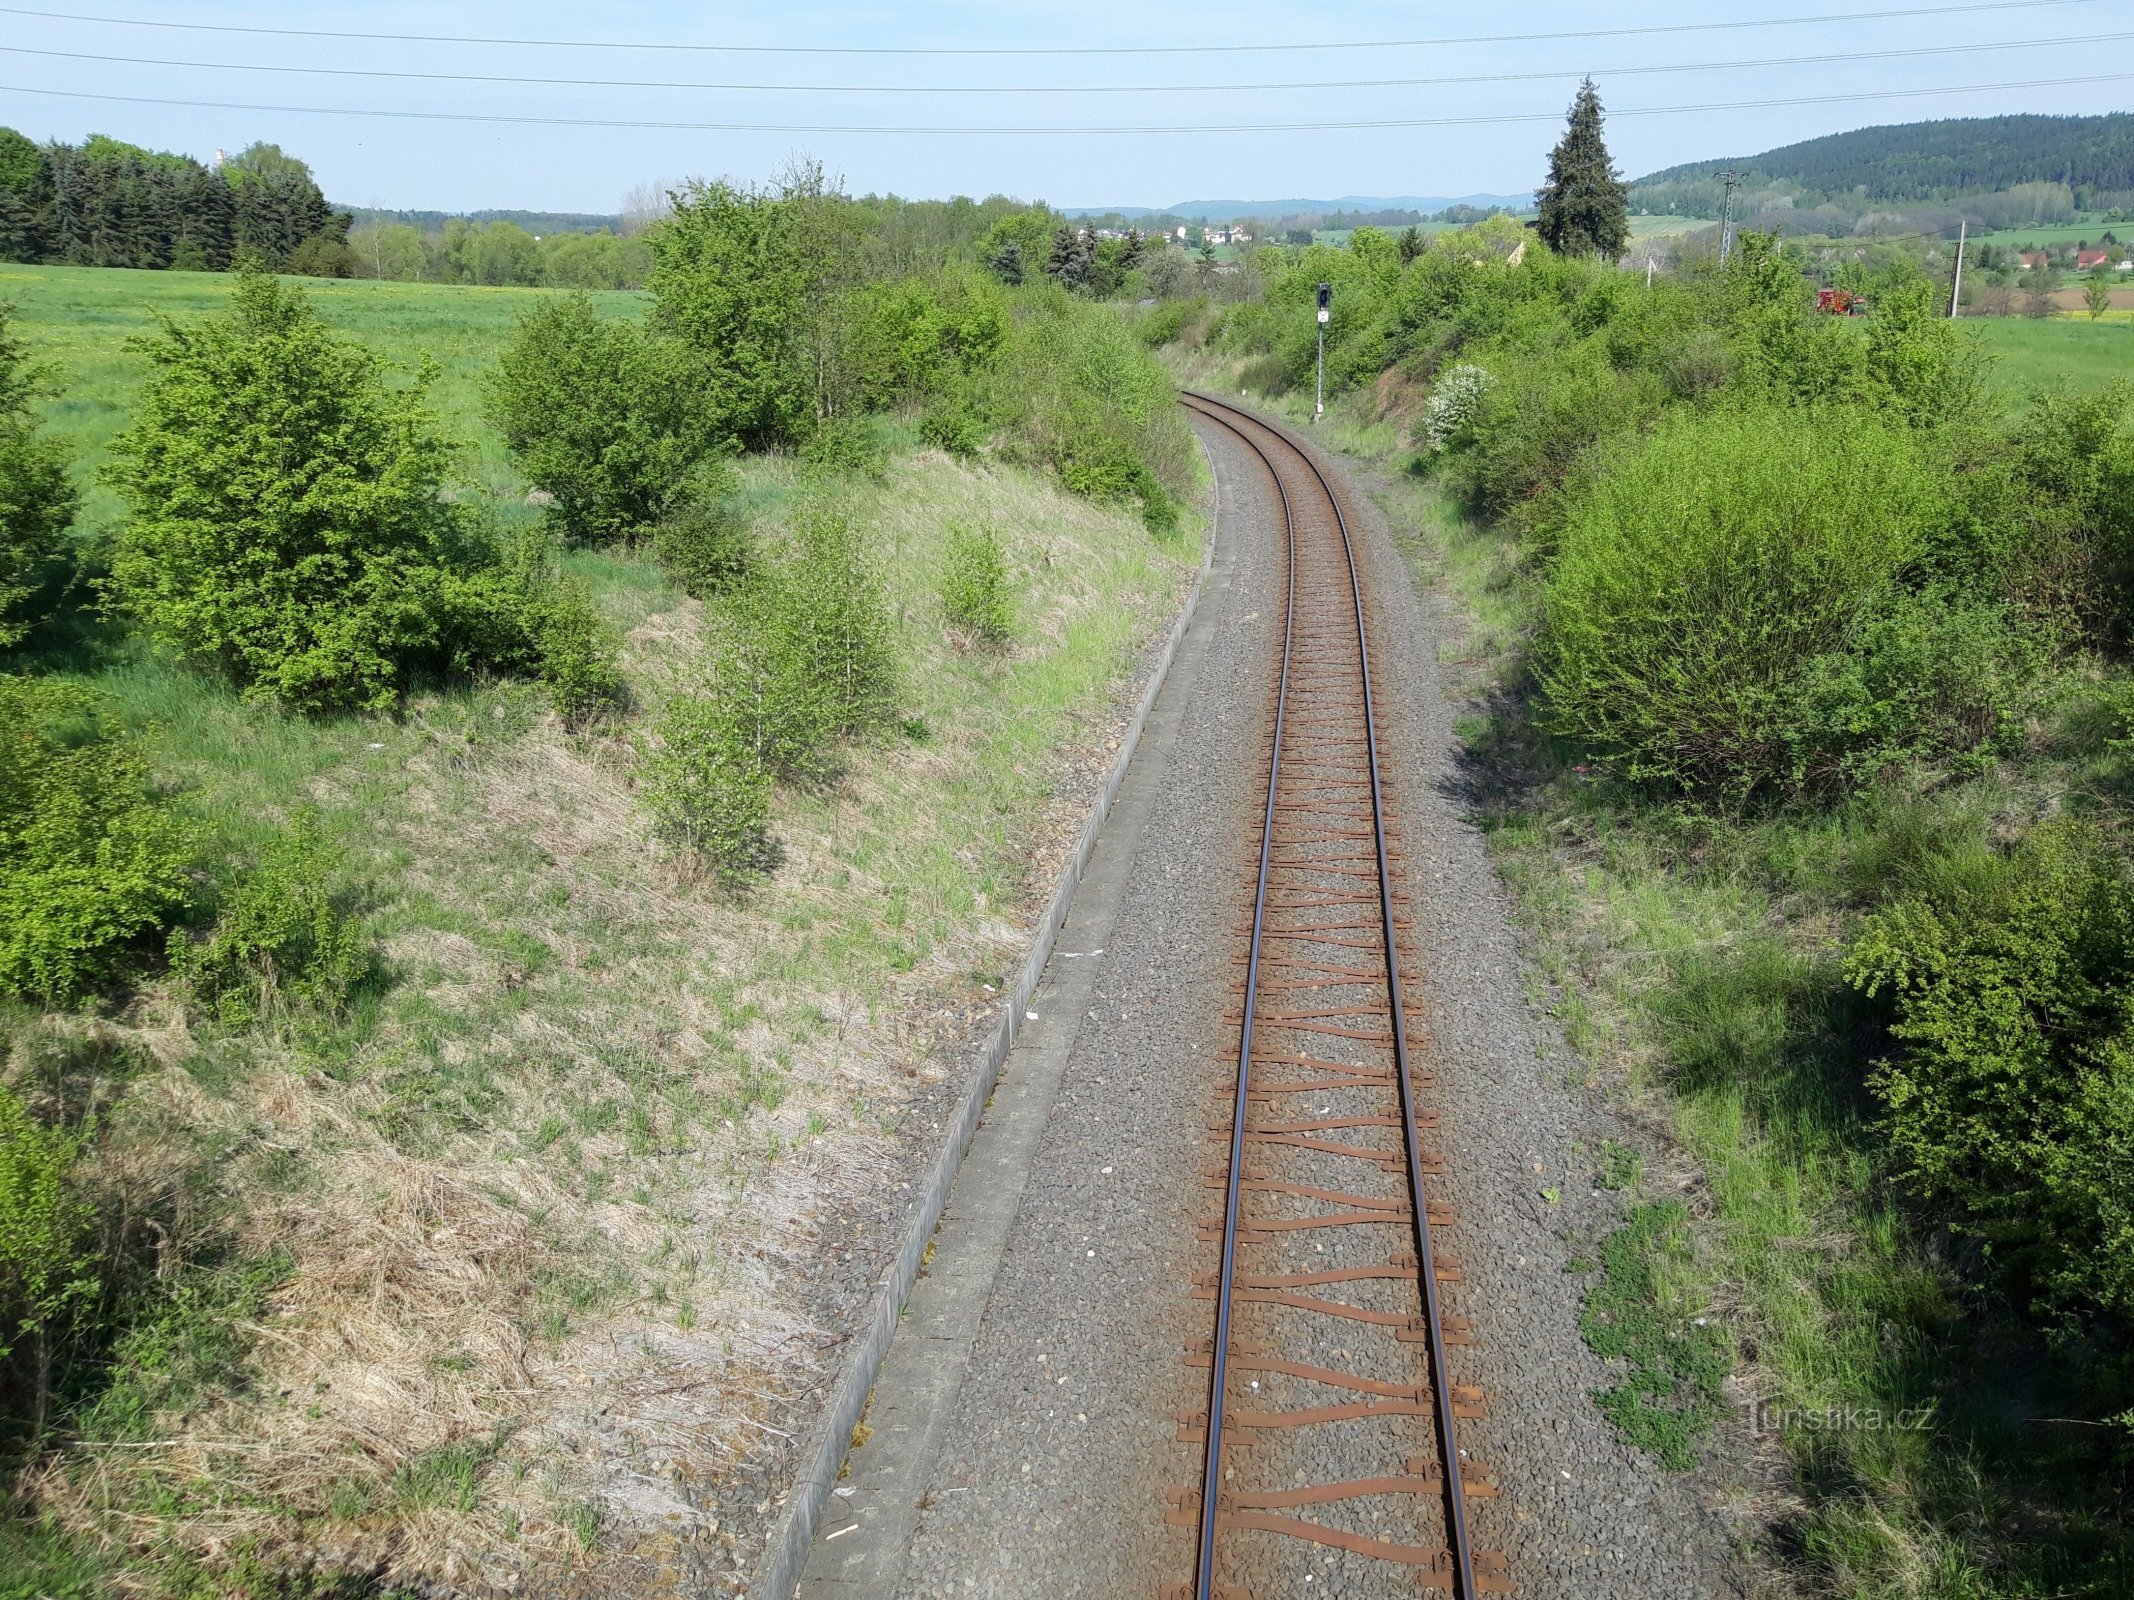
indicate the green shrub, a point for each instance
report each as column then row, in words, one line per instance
column 830, row 626
column 1703, row 574
column 602, row 414
column 708, row 789
column 756, row 285
column 704, row 546
column 794, row 661
column 47, row 1237
column 37, row 499
column 90, row 861
column 573, row 648
column 974, row 585
column 2012, row 1105
column 1076, row 391
column 1924, row 677
column 846, row 444
column 279, row 941
column 288, row 520
column 955, row 425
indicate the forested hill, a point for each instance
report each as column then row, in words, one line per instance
column 1914, row 163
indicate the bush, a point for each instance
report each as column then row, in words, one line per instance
column 288, row 520
column 279, row 940
column 1927, row 676
column 1705, row 573
column 37, row 499
column 706, row 785
column 956, row 426
column 47, row 1235
column 2013, row 1102
column 1079, row 393
column 796, row 660
column 90, row 861
column 703, row 545
column 572, row 648
column 974, row 585
column 830, row 624
column 323, row 255
column 846, row 444
column 600, row 414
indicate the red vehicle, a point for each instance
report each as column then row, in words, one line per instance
column 1841, row 302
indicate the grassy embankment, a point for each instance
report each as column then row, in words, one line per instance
column 581, row 1128
column 1692, row 960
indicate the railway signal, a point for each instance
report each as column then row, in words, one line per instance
column 1326, row 300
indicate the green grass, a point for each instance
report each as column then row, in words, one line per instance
column 2040, row 353
column 80, row 319
column 531, row 1156
column 2056, row 233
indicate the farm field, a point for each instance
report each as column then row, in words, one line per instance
column 80, row 319
column 2031, row 354
column 2055, row 233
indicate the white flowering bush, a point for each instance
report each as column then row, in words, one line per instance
column 1455, row 403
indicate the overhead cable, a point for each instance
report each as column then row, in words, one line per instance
column 1072, row 89
column 672, row 46
column 1146, row 130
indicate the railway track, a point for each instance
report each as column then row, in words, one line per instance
column 1331, row 1434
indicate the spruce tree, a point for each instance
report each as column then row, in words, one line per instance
column 1585, row 204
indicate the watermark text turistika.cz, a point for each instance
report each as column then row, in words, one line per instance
column 1776, row 1417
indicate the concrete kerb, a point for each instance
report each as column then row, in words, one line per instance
column 785, row 1558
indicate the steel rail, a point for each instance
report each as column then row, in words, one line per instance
column 1426, row 1267
column 1204, row 1578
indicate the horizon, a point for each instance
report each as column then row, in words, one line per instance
column 384, row 154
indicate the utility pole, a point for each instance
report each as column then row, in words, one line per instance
column 1957, row 288
column 1326, row 299
column 1726, row 218
column 1648, row 274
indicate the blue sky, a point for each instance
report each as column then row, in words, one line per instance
column 447, row 165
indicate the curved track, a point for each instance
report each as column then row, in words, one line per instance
column 1332, row 1452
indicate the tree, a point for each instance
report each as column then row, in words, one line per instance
column 1585, row 206
column 2097, row 293
column 600, row 414
column 286, row 517
column 755, row 282
column 1007, row 263
column 37, row 499
column 1412, row 243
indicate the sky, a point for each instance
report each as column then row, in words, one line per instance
column 1013, row 117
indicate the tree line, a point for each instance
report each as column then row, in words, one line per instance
column 105, row 203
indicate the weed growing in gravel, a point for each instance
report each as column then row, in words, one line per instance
column 1677, row 1364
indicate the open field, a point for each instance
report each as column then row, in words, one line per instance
column 509, row 1276
column 2032, row 354
column 79, row 319
column 1654, row 227
column 2055, row 233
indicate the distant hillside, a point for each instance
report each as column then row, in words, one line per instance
column 542, row 222
column 2000, row 171
column 1233, row 210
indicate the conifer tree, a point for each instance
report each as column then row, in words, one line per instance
column 1585, row 204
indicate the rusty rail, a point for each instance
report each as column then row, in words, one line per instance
column 1308, row 911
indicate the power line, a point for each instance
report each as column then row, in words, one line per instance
column 1141, row 129
column 1106, row 88
column 1037, row 50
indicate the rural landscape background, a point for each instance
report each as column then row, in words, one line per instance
column 527, row 737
